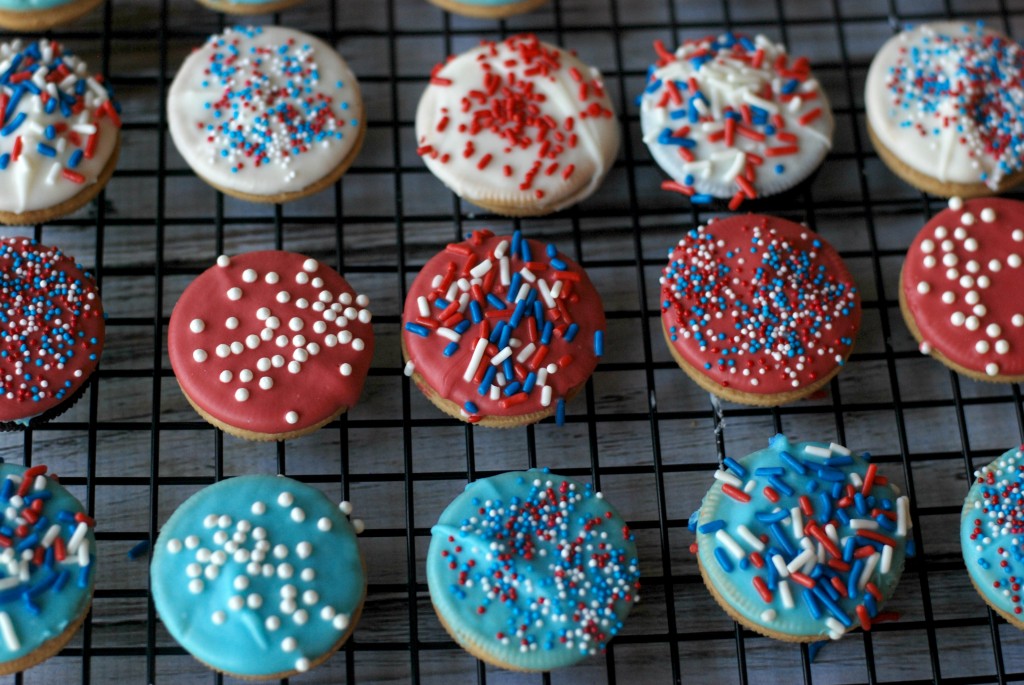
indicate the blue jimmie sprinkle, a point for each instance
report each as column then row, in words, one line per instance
column 416, row 328
column 139, row 549
column 830, row 569
column 504, row 306
column 735, row 467
column 723, row 560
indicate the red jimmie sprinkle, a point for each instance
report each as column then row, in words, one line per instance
column 504, row 327
column 67, row 103
column 718, row 107
column 517, row 119
column 798, row 555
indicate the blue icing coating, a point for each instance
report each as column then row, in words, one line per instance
column 60, row 577
column 264, row 565
column 31, row 5
column 991, row 528
column 548, row 597
column 488, row 3
column 808, row 549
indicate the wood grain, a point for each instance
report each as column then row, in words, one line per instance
column 133, row 449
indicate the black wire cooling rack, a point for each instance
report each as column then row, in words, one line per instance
column 132, row 449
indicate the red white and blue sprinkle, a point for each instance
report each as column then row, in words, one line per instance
column 758, row 303
column 991, row 531
column 39, row 555
column 517, row 121
column 50, row 107
column 271, row 107
column 50, row 326
column 540, row 560
column 515, row 314
column 820, row 534
column 733, row 117
column 962, row 88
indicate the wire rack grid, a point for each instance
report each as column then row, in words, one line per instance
column 132, row 449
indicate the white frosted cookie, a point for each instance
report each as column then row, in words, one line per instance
column 734, row 117
column 59, row 132
column 520, row 127
column 267, row 114
column 944, row 103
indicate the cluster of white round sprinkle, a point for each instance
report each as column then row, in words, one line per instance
column 239, row 551
column 962, row 283
column 286, row 333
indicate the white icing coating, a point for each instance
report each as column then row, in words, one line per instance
column 917, row 134
column 481, row 165
column 193, row 87
column 35, row 180
column 735, row 79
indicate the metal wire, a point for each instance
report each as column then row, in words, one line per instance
column 663, row 584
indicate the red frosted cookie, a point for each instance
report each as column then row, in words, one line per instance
column 501, row 330
column 758, row 310
column 961, row 288
column 52, row 331
column 270, row 345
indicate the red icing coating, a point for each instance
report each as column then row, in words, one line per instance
column 576, row 303
column 319, row 389
column 987, row 304
column 63, row 297
column 759, row 288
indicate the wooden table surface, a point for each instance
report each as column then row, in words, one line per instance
column 133, row 449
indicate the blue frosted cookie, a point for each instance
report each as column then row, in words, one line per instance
column 802, row 541
column 47, row 553
column 248, row 7
column 489, row 9
column 264, row 564
column 39, row 15
column 531, row 571
column 991, row 527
